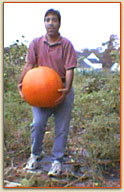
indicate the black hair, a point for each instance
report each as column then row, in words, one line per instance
column 54, row 12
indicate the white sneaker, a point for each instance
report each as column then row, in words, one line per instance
column 55, row 169
column 32, row 162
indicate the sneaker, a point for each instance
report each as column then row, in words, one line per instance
column 32, row 162
column 55, row 169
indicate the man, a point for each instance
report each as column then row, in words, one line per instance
column 56, row 52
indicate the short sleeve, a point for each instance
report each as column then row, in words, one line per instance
column 69, row 56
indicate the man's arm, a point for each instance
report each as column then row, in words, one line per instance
column 69, row 79
column 68, row 84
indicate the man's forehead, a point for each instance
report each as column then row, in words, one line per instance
column 52, row 15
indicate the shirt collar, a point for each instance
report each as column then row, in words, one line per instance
column 59, row 40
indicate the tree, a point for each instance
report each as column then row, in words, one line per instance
column 112, row 52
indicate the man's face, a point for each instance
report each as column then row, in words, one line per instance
column 52, row 24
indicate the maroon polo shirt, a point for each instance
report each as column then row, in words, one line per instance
column 59, row 56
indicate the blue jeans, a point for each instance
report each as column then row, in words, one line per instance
column 62, row 116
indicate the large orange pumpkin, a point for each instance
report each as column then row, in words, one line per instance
column 40, row 87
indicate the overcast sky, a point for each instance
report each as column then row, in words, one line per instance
column 86, row 25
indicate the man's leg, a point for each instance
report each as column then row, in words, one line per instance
column 62, row 115
column 40, row 117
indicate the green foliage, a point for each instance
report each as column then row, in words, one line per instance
column 14, row 58
column 115, row 56
column 15, row 117
column 97, row 111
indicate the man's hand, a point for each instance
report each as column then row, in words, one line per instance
column 64, row 92
column 68, row 84
column 19, row 86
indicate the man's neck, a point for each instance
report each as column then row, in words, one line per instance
column 52, row 39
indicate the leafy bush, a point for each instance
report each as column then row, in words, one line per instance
column 97, row 112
